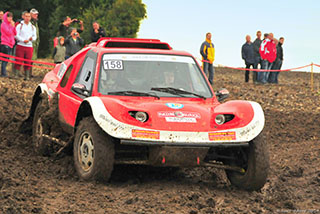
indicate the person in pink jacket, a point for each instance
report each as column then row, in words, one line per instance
column 268, row 53
column 8, row 32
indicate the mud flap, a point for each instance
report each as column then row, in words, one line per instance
column 176, row 156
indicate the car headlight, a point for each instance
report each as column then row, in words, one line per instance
column 220, row 119
column 141, row 116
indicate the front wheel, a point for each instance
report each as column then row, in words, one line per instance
column 93, row 151
column 39, row 127
column 255, row 162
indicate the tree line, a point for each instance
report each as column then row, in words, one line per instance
column 119, row 18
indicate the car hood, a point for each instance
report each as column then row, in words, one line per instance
column 178, row 114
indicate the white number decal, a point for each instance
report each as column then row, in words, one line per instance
column 112, row 65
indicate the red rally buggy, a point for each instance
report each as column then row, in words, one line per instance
column 138, row 101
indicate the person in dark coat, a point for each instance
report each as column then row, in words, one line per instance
column 257, row 57
column 73, row 43
column 273, row 78
column 97, row 32
column 247, row 53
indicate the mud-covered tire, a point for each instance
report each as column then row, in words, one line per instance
column 93, row 151
column 257, row 167
column 41, row 145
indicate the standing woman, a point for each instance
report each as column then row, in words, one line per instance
column 8, row 32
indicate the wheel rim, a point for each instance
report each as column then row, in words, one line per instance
column 86, row 151
column 39, row 131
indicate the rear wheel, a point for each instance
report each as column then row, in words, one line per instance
column 255, row 162
column 93, row 151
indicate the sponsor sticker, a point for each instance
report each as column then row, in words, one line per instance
column 163, row 114
column 181, row 119
column 174, row 105
column 220, row 136
column 146, row 134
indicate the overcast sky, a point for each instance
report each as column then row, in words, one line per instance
column 184, row 23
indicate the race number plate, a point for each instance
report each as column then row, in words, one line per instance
column 113, row 65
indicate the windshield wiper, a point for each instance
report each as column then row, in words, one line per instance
column 176, row 91
column 133, row 93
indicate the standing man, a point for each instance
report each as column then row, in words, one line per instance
column 73, row 43
column 26, row 34
column 64, row 28
column 34, row 20
column 257, row 57
column 8, row 33
column 247, row 53
column 207, row 52
column 97, row 32
column 277, row 63
column 268, row 54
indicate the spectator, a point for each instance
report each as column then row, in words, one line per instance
column 247, row 53
column 207, row 52
column 59, row 53
column 26, row 34
column 1, row 17
column 8, row 33
column 73, row 43
column 257, row 57
column 21, row 19
column 35, row 45
column 65, row 25
column 97, row 32
column 268, row 54
column 277, row 63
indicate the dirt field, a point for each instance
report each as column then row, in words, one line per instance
column 33, row 184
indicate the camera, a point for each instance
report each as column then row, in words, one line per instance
column 76, row 21
column 75, row 34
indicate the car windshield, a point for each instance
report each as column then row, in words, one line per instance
column 156, row 75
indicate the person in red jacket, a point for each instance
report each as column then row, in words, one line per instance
column 8, row 33
column 268, row 53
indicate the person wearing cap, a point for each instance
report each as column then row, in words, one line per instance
column 35, row 44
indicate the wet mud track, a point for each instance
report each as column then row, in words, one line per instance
column 34, row 184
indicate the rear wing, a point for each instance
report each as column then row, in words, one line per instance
column 131, row 43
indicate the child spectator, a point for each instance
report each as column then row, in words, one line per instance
column 59, row 53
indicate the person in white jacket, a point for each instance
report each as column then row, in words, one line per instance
column 26, row 34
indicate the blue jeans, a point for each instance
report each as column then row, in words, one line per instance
column 264, row 75
column 6, row 50
column 273, row 77
column 207, row 67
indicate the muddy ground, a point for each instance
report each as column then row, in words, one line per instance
column 33, row 184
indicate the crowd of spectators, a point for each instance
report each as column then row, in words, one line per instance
column 21, row 39
column 267, row 53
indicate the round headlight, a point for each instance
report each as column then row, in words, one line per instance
column 141, row 116
column 220, row 119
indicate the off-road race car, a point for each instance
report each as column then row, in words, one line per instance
column 138, row 101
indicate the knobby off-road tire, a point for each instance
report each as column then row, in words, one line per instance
column 39, row 127
column 257, row 168
column 93, row 151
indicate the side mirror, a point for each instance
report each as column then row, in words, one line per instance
column 80, row 89
column 222, row 94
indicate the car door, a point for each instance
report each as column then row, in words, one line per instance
column 69, row 99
